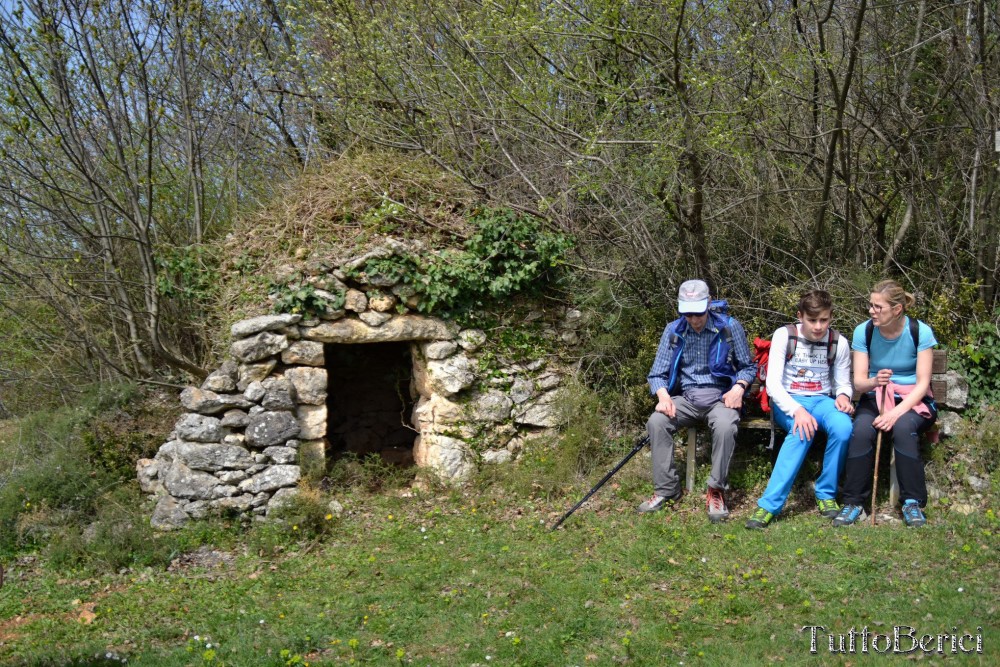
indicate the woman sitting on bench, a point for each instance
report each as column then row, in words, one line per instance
column 892, row 365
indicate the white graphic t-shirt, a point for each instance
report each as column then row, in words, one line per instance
column 807, row 372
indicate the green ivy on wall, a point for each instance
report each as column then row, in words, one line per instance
column 508, row 253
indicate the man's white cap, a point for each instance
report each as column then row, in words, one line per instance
column 692, row 297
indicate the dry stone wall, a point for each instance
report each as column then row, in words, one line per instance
column 255, row 421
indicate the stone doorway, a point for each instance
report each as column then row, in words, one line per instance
column 370, row 401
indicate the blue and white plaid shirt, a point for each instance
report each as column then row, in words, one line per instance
column 693, row 370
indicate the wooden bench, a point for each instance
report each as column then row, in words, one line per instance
column 939, row 387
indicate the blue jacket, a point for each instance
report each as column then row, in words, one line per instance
column 729, row 355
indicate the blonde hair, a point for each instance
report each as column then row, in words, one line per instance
column 895, row 294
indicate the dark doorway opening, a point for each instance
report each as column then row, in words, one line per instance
column 369, row 403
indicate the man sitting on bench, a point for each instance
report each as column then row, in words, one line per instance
column 702, row 369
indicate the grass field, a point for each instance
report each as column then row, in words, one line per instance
column 475, row 577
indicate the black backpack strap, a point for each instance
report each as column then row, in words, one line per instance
column 793, row 341
column 914, row 334
column 831, row 349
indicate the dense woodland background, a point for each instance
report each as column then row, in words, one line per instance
column 761, row 145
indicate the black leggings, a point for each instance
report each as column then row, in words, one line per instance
column 860, row 464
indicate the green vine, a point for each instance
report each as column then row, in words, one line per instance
column 304, row 299
column 508, row 253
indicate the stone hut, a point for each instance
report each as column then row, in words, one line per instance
column 364, row 373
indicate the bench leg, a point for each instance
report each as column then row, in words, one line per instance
column 893, row 481
column 692, row 436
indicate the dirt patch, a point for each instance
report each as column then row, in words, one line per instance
column 204, row 558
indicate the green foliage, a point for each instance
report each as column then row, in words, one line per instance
column 117, row 535
column 189, row 273
column 952, row 312
column 508, row 253
column 62, row 462
column 302, row 298
column 370, row 473
column 113, row 444
column 305, row 515
column 978, row 360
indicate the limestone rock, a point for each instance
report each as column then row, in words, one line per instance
column 400, row 328
column 271, row 479
column 239, row 504
column 548, row 381
column 258, row 347
column 496, row 456
column 304, row 353
column 198, row 428
column 949, row 423
column 449, row 458
column 165, row 455
column 271, row 428
column 237, row 439
column 310, row 384
column 148, row 470
column 254, row 391
column 573, row 319
column 231, row 476
column 471, row 339
column 279, row 394
column 374, row 319
column 958, row 391
column 493, row 406
column 197, row 509
column 381, row 303
column 213, row 457
column 335, row 507
column 407, row 294
column 312, row 419
column 543, row 411
column 281, row 498
column 235, row 419
column 281, row 455
column 436, row 413
column 439, row 349
column 168, row 515
column 183, row 482
column 254, row 373
column 255, row 325
column 223, row 380
column 355, row 301
column 978, row 483
column 570, row 337
column 452, row 375
column 210, row 403
column 521, row 390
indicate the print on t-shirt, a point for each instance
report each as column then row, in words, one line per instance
column 808, row 368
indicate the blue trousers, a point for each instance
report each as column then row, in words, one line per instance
column 836, row 425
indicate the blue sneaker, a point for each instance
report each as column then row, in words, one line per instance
column 850, row 514
column 912, row 514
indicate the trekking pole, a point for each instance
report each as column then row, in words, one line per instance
column 878, row 448
column 635, row 450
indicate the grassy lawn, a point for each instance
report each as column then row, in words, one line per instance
column 475, row 577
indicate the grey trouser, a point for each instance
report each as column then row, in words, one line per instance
column 722, row 422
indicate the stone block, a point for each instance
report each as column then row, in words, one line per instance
column 310, row 384
column 312, row 419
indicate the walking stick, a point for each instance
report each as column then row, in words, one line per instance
column 878, row 448
column 635, row 450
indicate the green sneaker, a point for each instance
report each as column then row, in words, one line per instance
column 828, row 507
column 759, row 519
